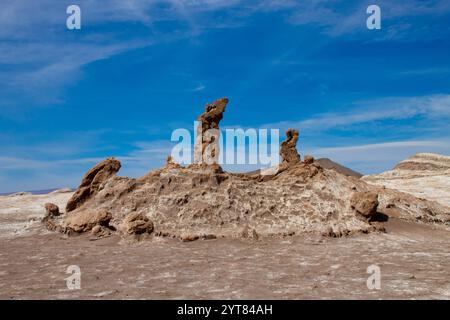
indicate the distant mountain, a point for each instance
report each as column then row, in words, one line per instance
column 329, row 164
column 36, row 192
column 424, row 175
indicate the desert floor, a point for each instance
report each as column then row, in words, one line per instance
column 414, row 261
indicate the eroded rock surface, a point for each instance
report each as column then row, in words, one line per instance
column 288, row 149
column 202, row 201
column 51, row 209
column 206, row 149
column 86, row 220
column 92, row 181
column 365, row 203
column 137, row 223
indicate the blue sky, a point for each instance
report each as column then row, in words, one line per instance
column 139, row 69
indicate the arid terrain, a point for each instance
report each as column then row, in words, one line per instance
column 298, row 230
column 425, row 175
column 414, row 259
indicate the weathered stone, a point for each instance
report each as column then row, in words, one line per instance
column 201, row 199
column 52, row 209
column 92, row 181
column 206, row 149
column 170, row 163
column 308, row 159
column 85, row 220
column 365, row 203
column 288, row 150
column 136, row 223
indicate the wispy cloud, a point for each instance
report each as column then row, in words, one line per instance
column 431, row 107
column 198, row 88
column 42, row 56
column 55, row 164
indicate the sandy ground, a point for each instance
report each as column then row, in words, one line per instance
column 414, row 261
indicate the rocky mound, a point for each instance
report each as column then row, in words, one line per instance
column 424, row 175
column 202, row 201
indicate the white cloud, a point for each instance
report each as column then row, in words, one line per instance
column 45, row 57
column 431, row 107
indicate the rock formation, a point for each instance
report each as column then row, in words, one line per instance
column 92, row 181
column 203, row 202
column 308, row 159
column 136, row 223
column 52, row 209
column 423, row 175
column 206, row 149
column 365, row 203
column 288, row 150
column 86, row 220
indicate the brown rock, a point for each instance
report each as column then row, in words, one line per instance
column 92, row 181
column 288, row 150
column 137, row 223
column 52, row 209
column 85, row 220
column 171, row 164
column 308, row 159
column 96, row 229
column 365, row 203
column 206, row 149
column 189, row 237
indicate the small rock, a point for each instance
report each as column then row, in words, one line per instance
column 83, row 221
column 308, row 159
column 365, row 203
column 189, row 237
column 137, row 223
column 96, row 229
column 52, row 209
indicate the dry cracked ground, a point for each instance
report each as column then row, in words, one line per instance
column 414, row 261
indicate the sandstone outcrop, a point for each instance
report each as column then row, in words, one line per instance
column 365, row 203
column 52, row 209
column 86, row 220
column 136, row 223
column 288, row 149
column 92, row 182
column 206, row 148
column 308, row 159
column 201, row 201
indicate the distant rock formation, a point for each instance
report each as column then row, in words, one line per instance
column 206, row 148
column 329, row 164
column 423, row 175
